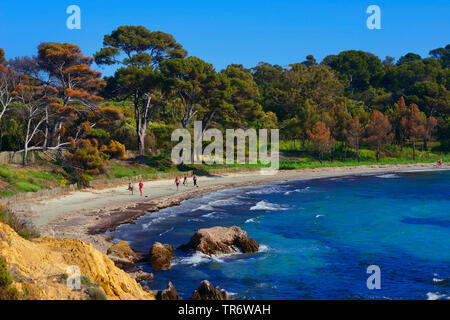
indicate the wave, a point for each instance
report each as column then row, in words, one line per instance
column 205, row 207
column 200, row 258
column 266, row 190
column 439, row 281
column 213, row 215
column 319, row 215
column 155, row 220
column 388, row 176
column 195, row 220
column 263, row 205
column 263, row 248
column 437, row 296
column 163, row 233
column 304, row 190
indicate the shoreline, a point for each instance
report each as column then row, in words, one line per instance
column 88, row 214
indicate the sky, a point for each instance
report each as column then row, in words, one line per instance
column 235, row 31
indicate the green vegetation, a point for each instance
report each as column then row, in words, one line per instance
column 96, row 293
column 28, row 180
column 7, row 291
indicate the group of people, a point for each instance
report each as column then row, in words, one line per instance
column 131, row 188
column 185, row 181
column 177, row 183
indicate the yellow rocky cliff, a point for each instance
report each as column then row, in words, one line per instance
column 37, row 266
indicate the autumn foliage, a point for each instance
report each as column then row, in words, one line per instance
column 379, row 131
column 320, row 136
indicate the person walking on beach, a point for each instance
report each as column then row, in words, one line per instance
column 141, row 185
column 195, row 180
column 177, row 182
column 130, row 188
column 185, row 181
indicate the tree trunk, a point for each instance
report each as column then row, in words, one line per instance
column 357, row 153
column 141, row 140
column 44, row 145
column 25, row 155
column 414, row 149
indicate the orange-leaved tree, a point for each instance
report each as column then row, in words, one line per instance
column 354, row 135
column 414, row 125
column 70, row 72
column 379, row 131
column 320, row 136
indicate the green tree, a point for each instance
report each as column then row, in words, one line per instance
column 193, row 80
column 140, row 53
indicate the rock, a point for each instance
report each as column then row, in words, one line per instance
column 139, row 275
column 206, row 291
column 161, row 256
column 39, row 260
column 122, row 255
column 168, row 294
column 221, row 240
column 122, row 263
column 121, row 249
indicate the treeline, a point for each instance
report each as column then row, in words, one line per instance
column 57, row 100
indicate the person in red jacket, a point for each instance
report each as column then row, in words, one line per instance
column 141, row 185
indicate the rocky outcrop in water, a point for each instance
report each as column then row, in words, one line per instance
column 221, row 240
column 206, row 291
column 161, row 256
column 122, row 255
column 42, row 266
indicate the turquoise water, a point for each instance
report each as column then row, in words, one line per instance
column 317, row 238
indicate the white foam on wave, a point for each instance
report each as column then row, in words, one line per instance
column 199, row 258
column 195, row 220
column 155, row 220
column 437, row 296
column 319, row 215
column 263, row 248
column 205, row 207
column 263, row 205
column 212, row 215
column 266, row 190
column 163, row 233
column 438, row 280
column 226, row 202
column 212, row 205
column 304, row 190
column 388, row 176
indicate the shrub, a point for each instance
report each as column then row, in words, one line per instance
column 23, row 227
column 86, row 158
column 96, row 293
column 365, row 154
column 115, row 150
column 7, row 292
column 5, row 277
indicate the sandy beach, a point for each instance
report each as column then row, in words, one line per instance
column 88, row 213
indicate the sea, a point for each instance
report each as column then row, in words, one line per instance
column 318, row 239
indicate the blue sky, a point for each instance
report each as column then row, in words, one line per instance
column 245, row 31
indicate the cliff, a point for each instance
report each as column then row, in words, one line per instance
column 41, row 266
